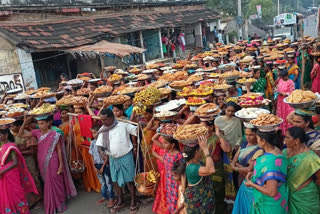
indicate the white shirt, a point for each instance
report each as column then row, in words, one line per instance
column 119, row 137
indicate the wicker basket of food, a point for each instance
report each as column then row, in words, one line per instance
column 146, row 182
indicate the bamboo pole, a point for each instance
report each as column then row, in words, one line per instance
column 98, row 118
column 303, row 59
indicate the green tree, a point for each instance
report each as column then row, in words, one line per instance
column 268, row 8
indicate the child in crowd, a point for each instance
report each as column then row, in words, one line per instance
column 103, row 171
column 171, row 156
column 178, row 176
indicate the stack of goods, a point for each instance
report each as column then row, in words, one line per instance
column 116, row 99
column 171, row 105
column 251, row 100
column 128, row 90
column 230, row 74
column 266, row 122
column 301, row 99
column 165, row 92
column 195, row 101
column 165, row 115
column 202, row 91
column 114, row 78
column 248, row 114
column 158, row 84
column 142, row 77
column 45, row 109
column 180, row 84
column 135, row 70
column 43, row 93
column 188, row 134
column 103, row 91
column 222, row 87
column 146, row 97
column 15, row 112
column 208, row 110
column 83, row 91
column 167, row 129
column 194, row 78
column 6, row 121
column 245, row 80
column 72, row 100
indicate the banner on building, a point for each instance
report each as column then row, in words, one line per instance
column 10, row 82
column 259, row 11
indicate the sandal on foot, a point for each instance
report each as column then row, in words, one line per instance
column 134, row 209
column 116, row 208
column 111, row 203
column 100, row 201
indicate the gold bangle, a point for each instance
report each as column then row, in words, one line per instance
column 208, row 156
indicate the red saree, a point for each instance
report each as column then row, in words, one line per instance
column 160, row 201
column 15, row 183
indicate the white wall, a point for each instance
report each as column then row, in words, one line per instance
column 27, row 69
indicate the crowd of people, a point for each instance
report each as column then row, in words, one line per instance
column 235, row 168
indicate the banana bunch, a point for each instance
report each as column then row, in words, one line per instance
column 148, row 96
column 139, row 110
column 45, row 108
column 152, row 176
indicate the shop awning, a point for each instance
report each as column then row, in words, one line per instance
column 104, row 47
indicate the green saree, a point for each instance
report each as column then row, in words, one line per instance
column 259, row 86
column 270, row 167
column 300, row 169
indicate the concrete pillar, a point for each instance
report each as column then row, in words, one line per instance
column 142, row 46
column 160, row 43
column 27, row 69
column 198, row 34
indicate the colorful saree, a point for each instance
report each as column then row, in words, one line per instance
column 160, row 201
column 307, row 71
column 270, row 85
column 199, row 197
column 293, row 70
column 270, row 167
column 244, row 199
column 24, row 144
column 314, row 140
column 90, row 179
column 300, row 169
column 315, row 75
column 171, row 185
column 283, row 109
column 259, row 86
column 57, row 188
column 15, row 183
column 222, row 179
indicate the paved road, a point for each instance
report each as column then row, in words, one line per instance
column 86, row 203
column 310, row 26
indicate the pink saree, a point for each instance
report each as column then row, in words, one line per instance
column 57, row 188
column 315, row 76
column 15, row 183
column 283, row 109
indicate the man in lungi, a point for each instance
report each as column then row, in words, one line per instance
column 114, row 143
